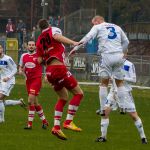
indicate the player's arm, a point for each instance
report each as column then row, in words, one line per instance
column 124, row 41
column 13, row 67
column 57, row 35
column 21, row 66
column 132, row 74
column 91, row 35
column 64, row 40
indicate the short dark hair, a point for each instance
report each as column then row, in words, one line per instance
column 43, row 24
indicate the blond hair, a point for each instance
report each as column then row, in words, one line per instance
column 97, row 17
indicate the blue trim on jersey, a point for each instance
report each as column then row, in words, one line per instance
column 126, row 68
column 3, row 62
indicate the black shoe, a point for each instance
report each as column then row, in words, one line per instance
column 100, row 139
column 44, row 125
column 144, row 141
column 23, row 104
column 28, row 127
column 98, row 111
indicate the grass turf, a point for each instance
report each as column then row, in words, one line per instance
column 122, row 134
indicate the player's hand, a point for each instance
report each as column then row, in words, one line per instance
column 72, row 52
column 75, row 48
column 21, row 72
column 45, row 79
column 5, row 79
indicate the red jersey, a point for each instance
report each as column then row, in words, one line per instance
column 30, row 64
column 48, row 48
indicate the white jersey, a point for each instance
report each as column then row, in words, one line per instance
column 110, row 37
column 8, row 68
column 129, row 74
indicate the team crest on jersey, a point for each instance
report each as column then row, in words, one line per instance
column 29, row 65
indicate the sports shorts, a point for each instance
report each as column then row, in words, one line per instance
column 59, row 77
column 34, row 85
column 111, row 65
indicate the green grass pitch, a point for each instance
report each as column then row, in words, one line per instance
column 122, row 134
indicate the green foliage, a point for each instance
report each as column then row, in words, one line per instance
column 122, row 134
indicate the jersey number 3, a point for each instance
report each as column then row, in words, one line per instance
column 112, row 33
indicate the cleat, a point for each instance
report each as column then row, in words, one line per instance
column 45, row 125
column 23, row 104
column 59, row 133
column 100, row 139
column 72, row 126
column 144, row 141
column 98, row 112
column 28, row 127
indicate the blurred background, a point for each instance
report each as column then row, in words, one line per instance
column 18, row 24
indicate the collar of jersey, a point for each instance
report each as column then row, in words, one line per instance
column 45, row 29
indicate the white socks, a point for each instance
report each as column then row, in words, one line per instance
column 139, row 126
column 103, row 96
column 2, row 111
column 104, row 126
column 12, row 102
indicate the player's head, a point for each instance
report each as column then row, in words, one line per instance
column 31, row 46
column 43, row 24
column 1, row 49
column 97, row 20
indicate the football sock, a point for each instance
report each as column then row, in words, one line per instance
column 104, row 126
column 31, row 114
column 73, row 107
column 139, row 126
column 40, row 112
column 102, row 96
column 58, row 112
column 12, row 102
column 2, row 111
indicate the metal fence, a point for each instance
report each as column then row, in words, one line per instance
column 78, row 23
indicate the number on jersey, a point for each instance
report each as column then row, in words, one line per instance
column 112, row 33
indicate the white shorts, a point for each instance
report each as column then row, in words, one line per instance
column 112, row 64
column 113, row 101
column 6, row 87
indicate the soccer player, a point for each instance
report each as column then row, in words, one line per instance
column 112, row 44
column 8, row 70
column 127, row 106
column 50, row 52
column 29, row 67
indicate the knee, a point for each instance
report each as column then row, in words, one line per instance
column 134, row 116
column 80, row 96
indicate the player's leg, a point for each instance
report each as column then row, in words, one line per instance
column 36, row 86
column 40, row 112
column 63, row 96
column 2, row 107
column 55, row 75
column 130, row 105
column 139, row 125
column 105, row 119
column 74, row 88
column 105, row 74
column 15, row 102
column 104, row 125
column 6, row 91
column 31, row 111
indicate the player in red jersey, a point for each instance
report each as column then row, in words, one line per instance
column 32, row 70
column 50, row 51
